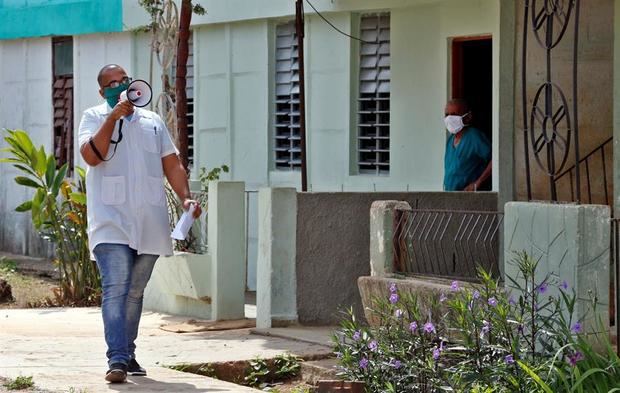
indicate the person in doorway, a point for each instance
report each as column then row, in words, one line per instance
column 128, row 226
column 467, row 160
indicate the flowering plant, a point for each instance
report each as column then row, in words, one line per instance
column 480, row 338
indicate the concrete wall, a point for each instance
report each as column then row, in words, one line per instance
column 25, row 103
column 570, row 243
column 333, row 245
column 26, row 80
column 234, row 67
column 596, row 40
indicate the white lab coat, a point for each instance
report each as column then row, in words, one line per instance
column 126, row 196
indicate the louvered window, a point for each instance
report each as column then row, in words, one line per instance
column 286, row 117
column 190, row 101
column 62, row 97
column 189, row 93
column 374, row 95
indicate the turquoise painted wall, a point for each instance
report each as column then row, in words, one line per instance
column 40, row 18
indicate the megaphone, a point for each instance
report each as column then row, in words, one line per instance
column 138, row 92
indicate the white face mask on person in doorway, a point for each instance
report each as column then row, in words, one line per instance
column 454, row 123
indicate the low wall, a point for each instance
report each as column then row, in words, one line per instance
column 333, row 245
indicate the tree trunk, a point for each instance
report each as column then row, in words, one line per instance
column 181, row 82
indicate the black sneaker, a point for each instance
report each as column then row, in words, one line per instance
column 117, row 373
column 134, row 368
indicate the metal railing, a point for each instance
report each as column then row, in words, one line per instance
column 446, row 243
column 597, row 186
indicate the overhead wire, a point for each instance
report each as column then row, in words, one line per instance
column 336, row 28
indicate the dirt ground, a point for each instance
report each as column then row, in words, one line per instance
column 27, row 289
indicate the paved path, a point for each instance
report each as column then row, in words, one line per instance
column 64, row 350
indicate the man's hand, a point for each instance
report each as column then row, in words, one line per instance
column 197, row 211
column 123, row 108
column 472, row 187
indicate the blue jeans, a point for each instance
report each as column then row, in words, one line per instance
column 124, row 275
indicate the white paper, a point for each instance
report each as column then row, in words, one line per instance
column 181, row 230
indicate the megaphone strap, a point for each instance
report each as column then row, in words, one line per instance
column 115, row 143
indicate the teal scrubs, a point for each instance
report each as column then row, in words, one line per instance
column 465, row 163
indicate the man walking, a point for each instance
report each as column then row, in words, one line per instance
column 128, row 151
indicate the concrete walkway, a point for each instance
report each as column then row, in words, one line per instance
column 64, row 350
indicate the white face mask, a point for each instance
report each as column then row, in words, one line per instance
column 454, row 124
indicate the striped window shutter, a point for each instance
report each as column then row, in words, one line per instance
column 286, row 118
column 374, row 95
column 62, row 98
column 190, row 101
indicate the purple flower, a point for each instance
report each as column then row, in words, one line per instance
column 436, row 353
column 520, row 328
column 364, row 363
column 357, row 335
column 486, row 326
column 576, row 328
column 393, row 287
column 395, row 363
column 442, row 297
column 476, row 294
column 429, row 327
column 564, row 285
column 509, row 359
column 398, row 313
column 492, row 302
column 512, row 301
column 542, row 289
column 373, row 345
column 455, row 286
column 574, row 358
column 413, row 327
column 394, row 298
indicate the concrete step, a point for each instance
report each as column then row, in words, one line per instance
column 319, row 370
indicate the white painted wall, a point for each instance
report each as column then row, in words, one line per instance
column 90, row 53
column 25, row 103
column 234, row 67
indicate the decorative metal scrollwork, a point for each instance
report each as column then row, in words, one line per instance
column 549, row 124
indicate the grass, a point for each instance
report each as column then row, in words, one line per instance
column 19, row 383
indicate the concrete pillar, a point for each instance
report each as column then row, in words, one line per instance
column 276, row 287
column 571, row 242
column 226, row 226
column 381, row 233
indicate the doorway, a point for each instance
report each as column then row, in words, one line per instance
column 472, row 80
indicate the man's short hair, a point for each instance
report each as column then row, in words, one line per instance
column 460, row 102
column 105, row 69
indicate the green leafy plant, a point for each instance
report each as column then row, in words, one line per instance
column 193, row 243
column 19, row 383
column 481, row 338
column 258, row 372
column 262, row 371
column 58, row 211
